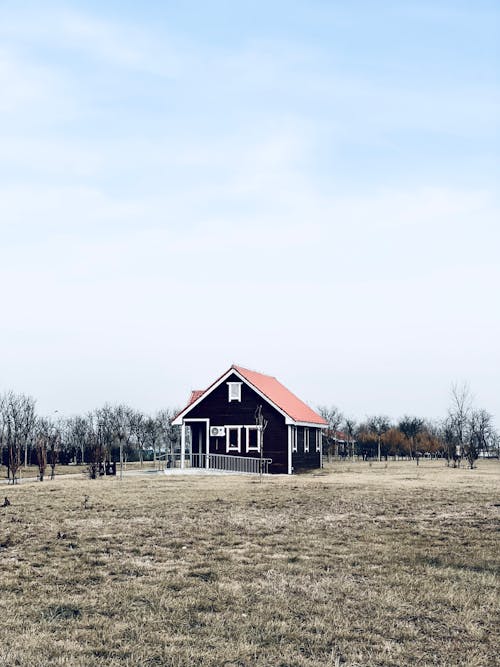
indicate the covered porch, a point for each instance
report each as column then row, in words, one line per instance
column 202, row 451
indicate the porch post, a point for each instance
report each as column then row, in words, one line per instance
column 207, row 445
column 199, row 453
column 191, row 450
column 320, row 436
column 289, row 449
column 183, row 443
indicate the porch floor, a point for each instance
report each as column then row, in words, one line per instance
column 201, row 471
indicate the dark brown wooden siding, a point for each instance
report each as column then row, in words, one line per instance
column 302, row 459
column 221, row 412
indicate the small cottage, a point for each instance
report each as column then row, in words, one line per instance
column 247, row 421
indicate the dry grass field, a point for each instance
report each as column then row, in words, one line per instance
column 359, row 566
column 31, row 472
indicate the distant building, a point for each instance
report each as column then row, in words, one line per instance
column 225, row 433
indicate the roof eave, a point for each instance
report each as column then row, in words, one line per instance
column 299, row 422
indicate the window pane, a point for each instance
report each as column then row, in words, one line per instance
column 312, row 438
column 252, row 438
column 234, row 391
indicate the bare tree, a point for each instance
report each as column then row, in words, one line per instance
column 54, row 447
column 41, row 440
column 139, row 432
column 395, row 442
column 100, row 440
column 411, row 427
column 379, row 425
column 77, row 434
column 27, row 424
column 261, row 423
column 448, row 439
column 169, row 434
column 459, row 414
column 121, row 419
column 17, row 420
column 333, row 418
column 153, row 428
column 429, row 439
column 350, row 430
column 479, row 435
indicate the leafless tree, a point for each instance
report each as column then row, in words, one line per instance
column 17, row 420
column 261, row 423
column 379, row 425
column 411, row 427
column 100, row 440
column 467, row 431
column 169, row 434
column 41, row 440
column 449, row 441
column 458, row 416
column 333, row 418
column 77, row 434
column 139, row 432
column 121, row 420
column 153, row 428
column 350, row 430
column 479, row 435
column 54, row 446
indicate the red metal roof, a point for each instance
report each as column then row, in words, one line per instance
column 195, row 395
column 281, row 396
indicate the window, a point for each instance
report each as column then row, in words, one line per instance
column 313, row 439
column 253, row 438
column 234, row 391
column 294, row 439
column 317, row 438
column 233, row 438
column 306, row 439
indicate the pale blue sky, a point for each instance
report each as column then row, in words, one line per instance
column 309, row 189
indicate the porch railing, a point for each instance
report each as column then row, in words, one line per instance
column 245, row 464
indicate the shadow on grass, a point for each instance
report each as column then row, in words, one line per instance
column 434, row 561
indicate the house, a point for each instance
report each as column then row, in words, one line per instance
column 225, row 433
column 338, row 443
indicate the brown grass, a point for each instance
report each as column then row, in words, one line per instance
column 32, row 472
column 359, row 566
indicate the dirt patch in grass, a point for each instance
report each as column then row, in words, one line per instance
column 363, row 566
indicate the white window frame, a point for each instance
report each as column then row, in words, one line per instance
column 318, row 440
column 306, row 440
column 294, row 439
column 229, row 447
column 234, row 391
column 259, row 438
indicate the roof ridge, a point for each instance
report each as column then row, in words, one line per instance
column 251, row 370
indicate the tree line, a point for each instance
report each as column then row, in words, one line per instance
column 463, row 435
column 110, row 433
column 119, row 434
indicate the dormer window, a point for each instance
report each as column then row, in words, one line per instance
column 234, row 391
